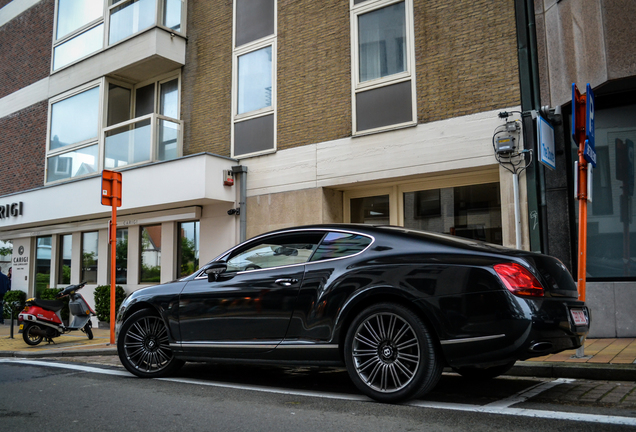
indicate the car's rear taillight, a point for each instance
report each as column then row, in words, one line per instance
column 519, row 280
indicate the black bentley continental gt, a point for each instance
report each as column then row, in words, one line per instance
column 394, row 305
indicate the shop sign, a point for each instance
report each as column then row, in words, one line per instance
column 20, row 260
column 11, row 210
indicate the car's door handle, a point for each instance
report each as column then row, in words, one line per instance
column 286, row 281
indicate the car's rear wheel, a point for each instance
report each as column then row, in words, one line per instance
column 390, row 354
column 144, row 348
column 484, row 373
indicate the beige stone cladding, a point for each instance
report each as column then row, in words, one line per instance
column 302, row 207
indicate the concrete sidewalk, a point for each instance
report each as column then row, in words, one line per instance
column 71, row 344
column 605, row 359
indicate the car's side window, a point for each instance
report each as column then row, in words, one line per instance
column 338, row 245
column 275, row 251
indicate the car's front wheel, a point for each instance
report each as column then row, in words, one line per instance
column 144, row 348
column 390, row 354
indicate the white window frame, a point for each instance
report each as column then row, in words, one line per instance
column 409, row 75
column 86, row 143
column 396, row 190
column 271, row 40
column 105, row 19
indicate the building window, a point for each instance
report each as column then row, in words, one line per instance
column 141, row 125
column 42, row 264
column 188, row 255
column 472, row 212
column 151, row 131
column 90, row 242
column 130, row 17
column 254, row 78
column 611, row 225
column 150, row 269
column 79, row 30
column 466, row 204
column 121, row 255
column 383, row 65
column 80, row 27
column 73, row 134
column 371, row 210
column 64, row 260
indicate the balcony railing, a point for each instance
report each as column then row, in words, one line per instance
column 150, row 138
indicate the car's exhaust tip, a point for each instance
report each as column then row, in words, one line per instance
column 541, row 347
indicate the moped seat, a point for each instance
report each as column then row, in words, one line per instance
column 51, row 305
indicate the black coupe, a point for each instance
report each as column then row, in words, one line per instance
column 394, row 305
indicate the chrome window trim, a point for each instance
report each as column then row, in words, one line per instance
column 202, row 275
column 468, row 340
column 306, row 346
column 233, row 345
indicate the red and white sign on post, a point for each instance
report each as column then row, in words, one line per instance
column 111, row 196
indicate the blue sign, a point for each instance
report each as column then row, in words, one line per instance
column 590, row 148
column 589, row 153
column 545, row 132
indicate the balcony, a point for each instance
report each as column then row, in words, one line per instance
column 150, row 138
column 135, row 40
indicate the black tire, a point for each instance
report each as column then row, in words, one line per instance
column 143, row 346
column 88, row 330
column 474, row 373
column 29, row 337
column 390, row 354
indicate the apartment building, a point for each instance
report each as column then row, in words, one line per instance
column 363, row 111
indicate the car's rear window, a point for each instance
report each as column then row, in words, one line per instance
column 338, row 245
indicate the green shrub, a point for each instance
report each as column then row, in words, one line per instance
column 102, row 301
column 10, row 297
column 51, row 294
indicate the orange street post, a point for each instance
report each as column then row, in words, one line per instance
column 583, row 135
column 111, row 196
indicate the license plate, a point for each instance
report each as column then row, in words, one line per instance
column 579, row 317
column 21, row 326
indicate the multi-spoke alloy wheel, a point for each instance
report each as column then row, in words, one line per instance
column 143, row 346
column 390, row 355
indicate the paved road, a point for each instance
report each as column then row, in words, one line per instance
column 102, row 396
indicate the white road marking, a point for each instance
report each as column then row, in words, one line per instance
column 526, row 394
column 500, row 407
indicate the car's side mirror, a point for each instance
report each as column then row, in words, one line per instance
column 214, row 270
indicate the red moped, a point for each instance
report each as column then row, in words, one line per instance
column 41, row 319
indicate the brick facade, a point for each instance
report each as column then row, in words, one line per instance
column 26, row 48
column 466, row 62
column 22, row 146
column 466, row 55
column 207, row 78
column 314, row 72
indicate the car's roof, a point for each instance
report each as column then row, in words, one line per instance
column 397, row 231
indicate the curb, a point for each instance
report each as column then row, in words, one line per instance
column 592, row 371
column 60, row 353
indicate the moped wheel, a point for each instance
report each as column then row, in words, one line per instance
column 88, row 330
column 29, row 337
column 144, row 348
